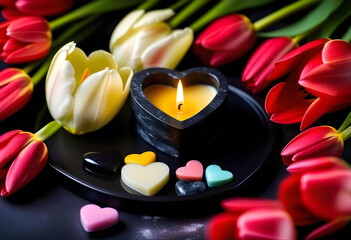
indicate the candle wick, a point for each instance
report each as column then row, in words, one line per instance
column 180, row 107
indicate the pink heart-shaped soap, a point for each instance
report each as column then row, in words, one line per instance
column 95, row 218
column 193, row 171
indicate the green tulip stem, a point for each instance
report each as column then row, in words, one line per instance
column 186, row 12
column 41, row 72
column 94, row 7
column 146, row 5
column 48, row 130
column 347, row 35
column 346, row 134
column 345, row 124
column 281, row 13
column 301, row 36
column 178, row 4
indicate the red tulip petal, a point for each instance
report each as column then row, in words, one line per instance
column 331, row 79
column 287, row 95
column 44, row 7
column 262, row 62
column 292, row 115
column 13, row 45
column 316, row 110
column 231, row 36
column 289, row 196
column 11, row 144
column 28, row 164
column 336, row 51
column 265, row 224
column 328, row 147
column 30, row 53
column 29, row 29
column 290, row 60
column 11, row 13
column 221, row 226
column 327, row 194
column 317, row 164
column 240, row 205
column 218, row 26
column 328, row 228
column 308, row 138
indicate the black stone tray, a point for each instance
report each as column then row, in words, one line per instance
column 242, row 148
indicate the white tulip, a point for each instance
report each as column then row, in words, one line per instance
column 143, row 40
column 85, row 93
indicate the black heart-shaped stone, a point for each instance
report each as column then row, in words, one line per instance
column 105, row 163
column 187, row 188
column 178, row 138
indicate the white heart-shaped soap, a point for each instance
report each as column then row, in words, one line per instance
column 147, row 180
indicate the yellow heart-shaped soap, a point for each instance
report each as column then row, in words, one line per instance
column 147, row 180
column 143, row 159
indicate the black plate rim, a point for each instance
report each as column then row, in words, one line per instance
column 212, row 192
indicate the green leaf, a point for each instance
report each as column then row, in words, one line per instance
column 94, row 7
column 225, row 7
column 314, row 18
column 335, row 19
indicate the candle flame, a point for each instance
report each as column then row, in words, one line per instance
column 180, row 97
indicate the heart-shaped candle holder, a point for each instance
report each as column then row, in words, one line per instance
column 178, row 138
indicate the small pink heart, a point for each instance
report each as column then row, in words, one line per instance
column 193, row 171
column 95, row 218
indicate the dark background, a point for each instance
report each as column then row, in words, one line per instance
column 47, row 208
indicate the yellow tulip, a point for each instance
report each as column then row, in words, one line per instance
column 85, row 93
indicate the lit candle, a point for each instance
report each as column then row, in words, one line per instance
column 180, row 103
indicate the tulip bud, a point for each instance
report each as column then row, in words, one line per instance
column 85, row 93
column 22, row 157
column 314, row 142
column 225, row 40
column 247, row 218
column 24, row 39
column 318, row 190
column 262, row 62
column 327, row 194
column 318, row 82
column 142, row 40
column 43, row 8
column 16, row 89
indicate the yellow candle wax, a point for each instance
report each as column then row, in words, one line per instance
column 196, row 97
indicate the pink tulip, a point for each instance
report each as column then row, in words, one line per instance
column 43, row 8
column 22, row 157
column 262, row 62
column 251, row 219
column 318, row 190
column 318, row 82
column 314, row 142
column 16, row 89
column 225, row 40
column 24, row 39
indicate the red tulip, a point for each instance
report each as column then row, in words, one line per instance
column 24, row 39
column 16, row 89
column 251, row 219
column 314, row 142
column 318, row 82
column 262, row 62
column 225, row 40
column 43, row 8
column 22, row 157
column 318, row 190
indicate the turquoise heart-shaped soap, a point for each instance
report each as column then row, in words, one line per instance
column 216, row 177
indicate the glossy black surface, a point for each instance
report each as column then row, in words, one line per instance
column 245, row 118
column 187, row 188
column 105, row 163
